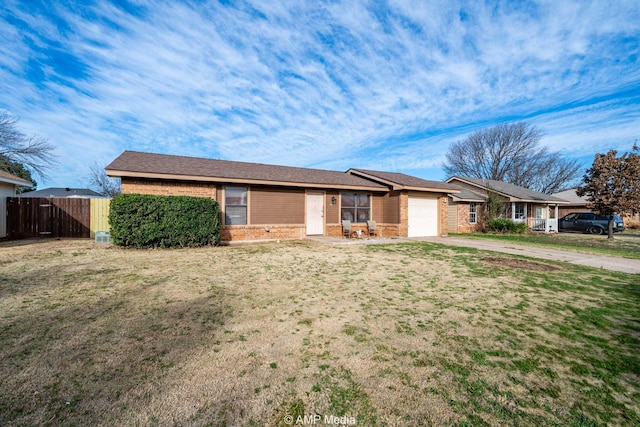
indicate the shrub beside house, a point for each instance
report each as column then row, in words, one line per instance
column 146, row 221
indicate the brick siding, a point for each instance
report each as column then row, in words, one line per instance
column 169, row 188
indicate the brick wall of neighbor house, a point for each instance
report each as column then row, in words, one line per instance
column 169, row 188
column 566, row 210
column 464, row 226
column 443, row 209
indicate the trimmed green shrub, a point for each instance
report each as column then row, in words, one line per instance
column 504, row 225
column 145, row 221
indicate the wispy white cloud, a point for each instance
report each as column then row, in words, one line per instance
column 335, row 84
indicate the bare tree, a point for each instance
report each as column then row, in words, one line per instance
column 512, row 153
column 33, row 151
column 100, row 182
column 612, row 185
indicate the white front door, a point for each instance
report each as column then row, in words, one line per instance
column 315, row 214
column 423, row 216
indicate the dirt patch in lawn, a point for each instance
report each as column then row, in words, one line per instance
column 519, row 263
column 398, row 334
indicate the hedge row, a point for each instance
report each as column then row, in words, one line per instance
column 503, row 225
column 145, row 221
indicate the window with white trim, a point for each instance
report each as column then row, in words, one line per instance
column 473, row 212
column 235, row 205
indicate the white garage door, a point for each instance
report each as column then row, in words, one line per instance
column 423, row 216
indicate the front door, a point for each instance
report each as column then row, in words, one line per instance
column 315, row 214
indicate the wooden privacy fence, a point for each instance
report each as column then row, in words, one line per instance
column 56, row 217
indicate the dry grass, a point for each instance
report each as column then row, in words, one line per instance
column 407, row 334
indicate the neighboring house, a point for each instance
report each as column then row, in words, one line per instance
column 466, row 211
column 62, row 192
column 575, row 202
column 260, row 201
column 579, row 204
column 8, row 186
column 538, row 210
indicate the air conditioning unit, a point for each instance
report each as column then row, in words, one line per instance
column 103, row 237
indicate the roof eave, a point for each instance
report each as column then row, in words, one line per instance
column 130, row 174
column 467, row 199
column 398, row 187
column 16, row 182
column 432, row 190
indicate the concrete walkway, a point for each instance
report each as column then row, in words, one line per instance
column 624, row 265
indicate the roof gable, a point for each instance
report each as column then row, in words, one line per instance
column 400, row 181
column 150, row 165
column 513, row 192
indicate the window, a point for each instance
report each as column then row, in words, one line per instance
column 473, row 212
column 356, row 207
column 538, row 212
column 519, row 213
column 235, row 205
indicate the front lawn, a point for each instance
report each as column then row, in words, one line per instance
column 397, row 334
column 626, row 244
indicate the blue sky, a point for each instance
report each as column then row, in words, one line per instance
column 385, row 85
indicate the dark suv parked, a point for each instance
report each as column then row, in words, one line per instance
column 588, row 222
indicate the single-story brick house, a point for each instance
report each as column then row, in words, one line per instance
column 467, row 209
column 260, row 201
column 8, row 186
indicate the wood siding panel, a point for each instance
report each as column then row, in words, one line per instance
column 276, row 206
column 377, row 206
column 452, row 220
column 391, row 208
column 332, row 215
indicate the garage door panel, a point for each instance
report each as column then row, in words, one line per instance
column 423, row 216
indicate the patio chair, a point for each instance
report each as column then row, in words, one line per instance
column 346, row 229
column 373, row 228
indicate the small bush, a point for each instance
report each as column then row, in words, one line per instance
column 631, row 222
column 504, row 225
column 145, row 221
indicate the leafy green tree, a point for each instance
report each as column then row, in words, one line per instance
column 612, row 185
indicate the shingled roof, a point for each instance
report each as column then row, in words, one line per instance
column 400, row 181
column 164, row 166
column 512, row 191
column 62, row 192
column 467, row 195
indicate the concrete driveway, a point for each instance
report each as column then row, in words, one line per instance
column 624, row 265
